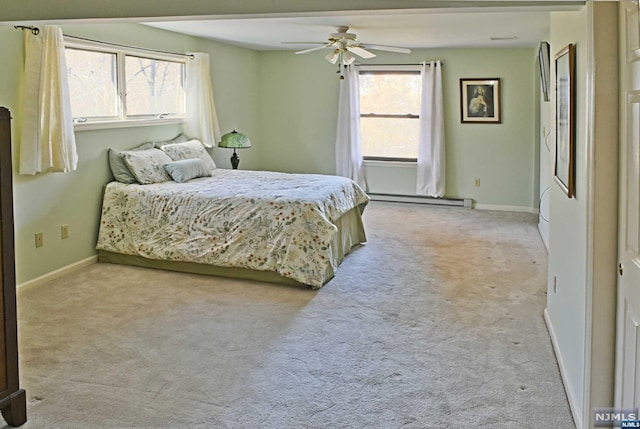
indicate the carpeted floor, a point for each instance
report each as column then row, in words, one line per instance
column 435, row 323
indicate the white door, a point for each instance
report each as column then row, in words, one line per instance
column 628, row 323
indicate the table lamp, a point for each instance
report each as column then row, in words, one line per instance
column 235, row 140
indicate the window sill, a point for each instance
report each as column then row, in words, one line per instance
column 394, row 164
column 87, row 126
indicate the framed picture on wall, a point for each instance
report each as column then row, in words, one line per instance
column 480, row 101
column 544, row 67
column 564, row 169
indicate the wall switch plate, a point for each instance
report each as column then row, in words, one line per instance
column 477, row 183
column 39, row 239
column 64, row 232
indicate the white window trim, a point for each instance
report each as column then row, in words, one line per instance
column 122, row 121
column 395, row 164
column 129, row 123
column 389, row 68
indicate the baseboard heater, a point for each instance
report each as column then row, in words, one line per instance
column 418, row 199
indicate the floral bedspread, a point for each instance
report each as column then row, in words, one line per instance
column 258, row 220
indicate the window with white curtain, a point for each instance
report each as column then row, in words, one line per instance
column 390, row 101
column 112, row 85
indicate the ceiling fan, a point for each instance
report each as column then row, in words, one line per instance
column 345, row 47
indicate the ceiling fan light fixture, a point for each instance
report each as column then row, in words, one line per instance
column 333, row 56
column 345, row 47
column 347, row 58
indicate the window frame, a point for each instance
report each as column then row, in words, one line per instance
column 122, row 120
column 389, row 69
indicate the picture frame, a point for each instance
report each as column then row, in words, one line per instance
column 564, row 166
column 544, row 68
column 480, row 101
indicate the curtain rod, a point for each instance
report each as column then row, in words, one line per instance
column 35, row 31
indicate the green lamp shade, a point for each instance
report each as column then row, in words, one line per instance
column 235, row 140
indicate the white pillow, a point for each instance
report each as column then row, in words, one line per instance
column 147, row 166
column 187, row 169
column 189, row 150
column 119, row 168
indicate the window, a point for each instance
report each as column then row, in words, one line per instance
column 389, row 111
column 93, row 86
column 154, row 87
column 110, row 85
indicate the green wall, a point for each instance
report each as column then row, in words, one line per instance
column 298, row 103
column 45, row 202
column 299, row 97
column 567, row 263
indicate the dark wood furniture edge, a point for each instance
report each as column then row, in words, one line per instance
column 13, row 404
column 14, row 408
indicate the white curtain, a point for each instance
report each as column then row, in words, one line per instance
column 48, row 143
column 348, row 153
column 431, row 152
column 202, row 120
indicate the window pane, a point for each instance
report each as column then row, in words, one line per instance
column 92, row 83
column 389, row 137
column 389, row 93
column 154, row 87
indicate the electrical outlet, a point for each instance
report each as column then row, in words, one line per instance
column 555, row 283
column 39, row 239
column 64, row 232
column 477, row 183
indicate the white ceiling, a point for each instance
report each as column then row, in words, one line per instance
column 409, row 28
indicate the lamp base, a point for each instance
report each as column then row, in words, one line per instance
column 235, row 160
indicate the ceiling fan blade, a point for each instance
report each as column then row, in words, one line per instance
column 362, row 53
column 302, row 43
column 317, row 48
column 388, row 48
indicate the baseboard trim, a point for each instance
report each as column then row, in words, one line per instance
column 418, row 199
column 521, row 209
column 571, row 396
column 460, row 202
column 58, row 273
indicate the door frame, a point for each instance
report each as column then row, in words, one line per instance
column 602, row 179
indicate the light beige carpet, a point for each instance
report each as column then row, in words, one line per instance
column 435, row 323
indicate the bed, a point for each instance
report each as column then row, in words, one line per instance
column 267, row 226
